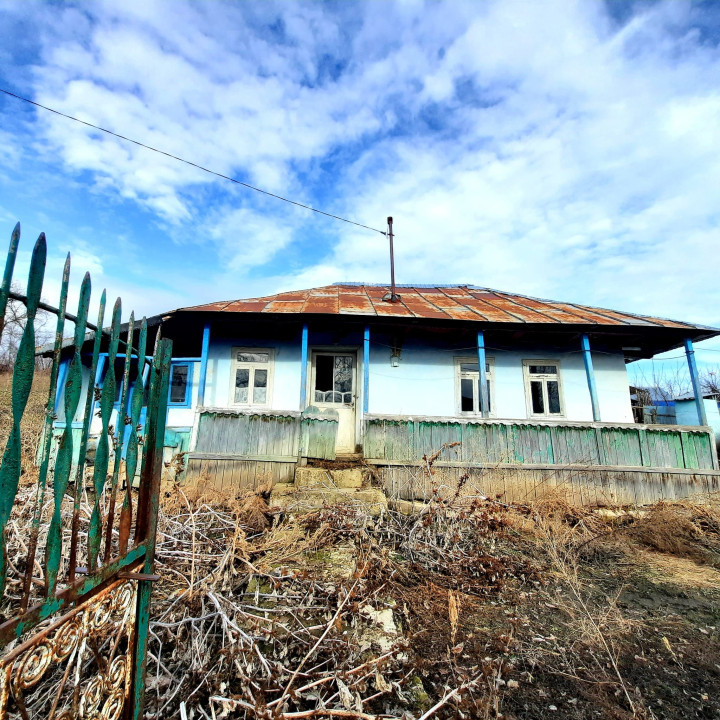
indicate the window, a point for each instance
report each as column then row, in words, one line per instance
column 542, row 388
column 468, row 385
column 251, row 376
column 119, row 378
column 180, row 384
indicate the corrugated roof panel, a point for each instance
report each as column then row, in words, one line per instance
column 586, row 315
column 388, row 309
column 291, row 296
column 322, row 302
column 512, row 305
column 246, row 306
column 285, row 306
column 440, row 302
column 453, row 308
column 354, row 303
column 421, row 307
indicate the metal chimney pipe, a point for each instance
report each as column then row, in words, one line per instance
column 393, row 296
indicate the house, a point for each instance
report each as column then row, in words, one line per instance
column 651, row 406
column 686, row 410
column 506, row 384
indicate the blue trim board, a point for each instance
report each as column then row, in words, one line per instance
column 60, row 386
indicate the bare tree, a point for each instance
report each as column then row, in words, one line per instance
column 668, row 382
column 710, row 379
column 14, row 326
column 662, row 383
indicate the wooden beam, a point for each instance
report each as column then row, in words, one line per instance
column 695, row 379
column 203, row 365
column 366, row 370
column 545, row 466
column 303, row 367
column 248, row 458
column 590, row 373
column 482, row 375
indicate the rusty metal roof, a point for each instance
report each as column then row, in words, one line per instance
column 437, row 302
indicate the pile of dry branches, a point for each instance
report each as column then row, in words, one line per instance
column 331, row 614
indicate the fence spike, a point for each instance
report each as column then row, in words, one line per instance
column 23, row 373
column 47, row 437
column 102, row 454
column 7, row 276
column 131, row 457
column 63, row 463
column 87, row 420
column 122, row 419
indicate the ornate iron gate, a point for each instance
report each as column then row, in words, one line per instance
column 73, row 639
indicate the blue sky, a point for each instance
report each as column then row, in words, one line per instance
column 561, row 149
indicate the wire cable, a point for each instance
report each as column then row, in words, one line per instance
column 195, row 165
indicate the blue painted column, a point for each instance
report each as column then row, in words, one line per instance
column 62, row 375
column 303, row 367
column 203, row 365
column 366, row 370
column 695, row 379
column 482, row 375
column 590, row 372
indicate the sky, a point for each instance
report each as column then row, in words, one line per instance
column 568, row 149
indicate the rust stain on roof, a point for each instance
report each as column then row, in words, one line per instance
column 459, row 302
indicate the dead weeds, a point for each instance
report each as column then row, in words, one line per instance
column 472, row 608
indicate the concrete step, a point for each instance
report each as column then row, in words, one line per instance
column 349, row 457
column 304, row 499
column 320, row 477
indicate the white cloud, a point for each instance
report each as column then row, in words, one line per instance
column 232, row 233
column 541, row 148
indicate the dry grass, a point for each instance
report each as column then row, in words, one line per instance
column 473, row 609
column 33, row 418
column 493, row 611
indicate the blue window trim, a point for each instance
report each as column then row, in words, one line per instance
column 187, row 402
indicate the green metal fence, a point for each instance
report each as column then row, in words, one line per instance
column 75, row 580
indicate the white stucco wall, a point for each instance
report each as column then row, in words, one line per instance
column 285, row 390
column 424, row 382
column 686, row 413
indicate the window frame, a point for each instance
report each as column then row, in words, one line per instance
column 459, row 375
column 187, row 402
column 236, row 365
column 543, row 377
column 351, row 353
column 119, row 378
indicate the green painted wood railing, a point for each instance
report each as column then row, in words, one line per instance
column 525, row 442
column 222, row 431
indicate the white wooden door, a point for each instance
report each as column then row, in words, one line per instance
column 333, row 386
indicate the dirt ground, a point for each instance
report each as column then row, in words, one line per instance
column 470, row 609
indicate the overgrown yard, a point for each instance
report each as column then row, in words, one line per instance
column 468, row 608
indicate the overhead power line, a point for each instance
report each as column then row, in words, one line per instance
column 189, row 162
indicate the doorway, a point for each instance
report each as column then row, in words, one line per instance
column 333, row 384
